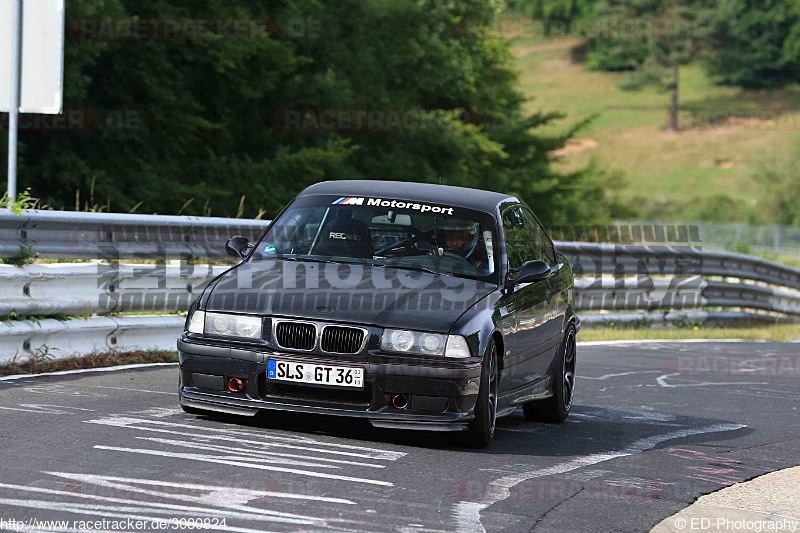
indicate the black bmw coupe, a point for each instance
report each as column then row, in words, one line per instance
column 415, row 306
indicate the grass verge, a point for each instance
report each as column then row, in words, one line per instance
column 707, row 171
column 42, row 363
column 783, row 332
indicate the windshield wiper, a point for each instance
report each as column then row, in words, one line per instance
column 316, row 260
column 310, row 260
column 410, row 267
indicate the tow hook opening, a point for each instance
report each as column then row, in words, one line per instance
column 400, row 401
column 235, row 385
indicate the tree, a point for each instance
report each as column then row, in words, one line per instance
column 754, row 43
column 654, row 38
column 206, row 120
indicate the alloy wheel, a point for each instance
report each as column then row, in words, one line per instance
column 568, row 373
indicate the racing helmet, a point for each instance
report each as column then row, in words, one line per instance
column 457, row 236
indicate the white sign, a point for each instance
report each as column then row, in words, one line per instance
column 42, row 56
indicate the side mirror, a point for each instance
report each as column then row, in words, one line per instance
column 237, row 246
column 532, row 271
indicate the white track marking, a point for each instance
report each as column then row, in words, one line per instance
column 86, row 371
column 379, row 454
column 135, row 390
column 782, row 396
column 124, row 513
column 62, row 390
column 266, row 439
column 467, row 514
column 45, row 409
column 226, row 510
column 230, row 455
column 195, row 500
column 606, row 415
column 250, row 454
column 212, row 459
column 662, row 382
column 232, row 493
column 158, row 412
column 604, row 377
column 671, row 341
column 252, row 442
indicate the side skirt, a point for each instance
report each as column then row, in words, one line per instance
column 540, row 389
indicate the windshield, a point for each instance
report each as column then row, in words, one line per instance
column 385, row 232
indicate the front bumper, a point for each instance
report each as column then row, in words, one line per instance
column 442, row 394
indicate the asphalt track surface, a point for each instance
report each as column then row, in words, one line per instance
column 655, row 425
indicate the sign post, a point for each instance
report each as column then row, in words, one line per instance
column 16, row 92
column 32, row 53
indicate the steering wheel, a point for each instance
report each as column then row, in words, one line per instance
column 435, row 253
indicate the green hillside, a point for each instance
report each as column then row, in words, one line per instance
column 727, row 167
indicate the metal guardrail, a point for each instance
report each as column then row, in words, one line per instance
column 620, row 260
column 112, row 236
column 98, row 288
column 19, row 340
column 694, row 293
column 609, row 277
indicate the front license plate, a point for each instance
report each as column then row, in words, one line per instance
column 333, row 376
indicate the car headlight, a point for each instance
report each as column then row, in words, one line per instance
column 197, row 322
column 422, row 343
column 226, row 324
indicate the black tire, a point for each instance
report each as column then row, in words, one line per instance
column 556, row 408
column 481, row 430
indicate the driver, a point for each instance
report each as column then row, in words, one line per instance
column 460, row 237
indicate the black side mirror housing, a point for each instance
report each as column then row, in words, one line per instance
column 532, row 271
column 237, row 246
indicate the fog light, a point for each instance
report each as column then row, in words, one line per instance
column 235, row 385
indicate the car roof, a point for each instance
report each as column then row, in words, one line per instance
column 408, row 190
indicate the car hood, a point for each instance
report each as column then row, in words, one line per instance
column 340, row 292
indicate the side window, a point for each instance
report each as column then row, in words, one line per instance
column 542, row 244
column 519, row 247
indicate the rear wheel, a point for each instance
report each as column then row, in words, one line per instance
column 481, row 430
column 556, row 408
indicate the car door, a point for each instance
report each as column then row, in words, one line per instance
column 549, row 322
column 530, row 304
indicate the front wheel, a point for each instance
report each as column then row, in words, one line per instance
column 481, row 430
column 556, row 408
